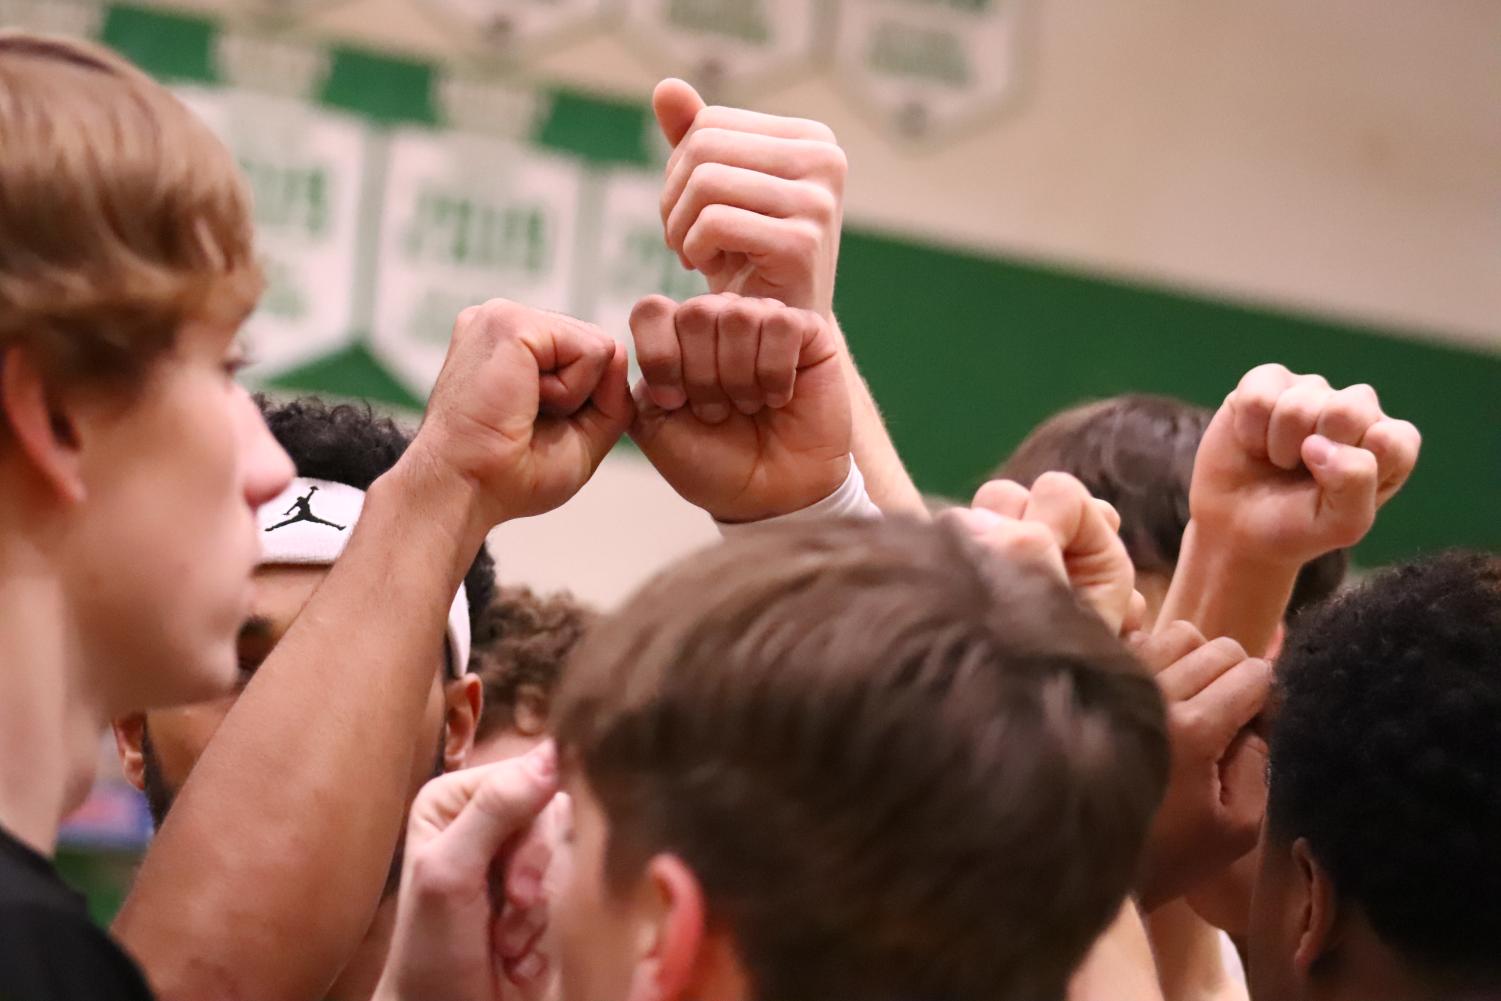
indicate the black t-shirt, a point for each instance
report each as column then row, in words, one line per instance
column 49, row 949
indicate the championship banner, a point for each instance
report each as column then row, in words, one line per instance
column 634, row 259
column 928, row 66
column 305, row 166
column 464, row 219
column 512, row 27
column 726, row 44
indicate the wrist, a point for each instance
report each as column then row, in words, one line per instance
column 428, row 495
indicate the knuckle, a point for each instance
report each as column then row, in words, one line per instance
column 1228, row 648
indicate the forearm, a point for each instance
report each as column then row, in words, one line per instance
column 1120, row 966
column 1225, row 592
column 1190, row 956
column 886, row 478
column 285, row 830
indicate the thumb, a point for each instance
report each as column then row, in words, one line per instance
column 676, row 104
column 1346, row 477
column 507, row 798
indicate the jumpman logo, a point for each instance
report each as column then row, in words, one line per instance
column 304, row 508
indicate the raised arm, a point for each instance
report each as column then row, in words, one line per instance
column 269, row 868
column 755, row 203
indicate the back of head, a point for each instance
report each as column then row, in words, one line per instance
column 898, row 769
column 1137, row 452
column 1384, row 757
column 520, row 647
column 123, row 217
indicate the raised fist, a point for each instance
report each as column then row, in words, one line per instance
column 1290, row 468
column 754, row 202
column 742, row 405
column 1058, row 522
column 527, row 405
column 1216, row 793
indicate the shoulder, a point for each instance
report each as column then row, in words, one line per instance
column 49, row 951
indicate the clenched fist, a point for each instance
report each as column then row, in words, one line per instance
column 742, row 405
column 1291, row 468
column 1059, row 523
column 527, row 405
column 754, row 202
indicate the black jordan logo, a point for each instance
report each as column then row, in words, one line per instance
column 304, row 508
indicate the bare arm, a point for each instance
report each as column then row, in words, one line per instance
column 268, row 870
column 1120, row 966
column 886, row 477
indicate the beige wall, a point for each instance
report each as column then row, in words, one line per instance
column 1341, row 156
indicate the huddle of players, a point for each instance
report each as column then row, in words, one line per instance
column 851, row 752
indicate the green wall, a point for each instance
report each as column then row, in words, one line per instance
column 964, row 352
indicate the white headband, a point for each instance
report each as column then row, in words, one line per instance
column 310, row 523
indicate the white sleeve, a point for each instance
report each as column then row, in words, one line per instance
column 849, row 501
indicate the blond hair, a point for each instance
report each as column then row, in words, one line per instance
column 122, row 217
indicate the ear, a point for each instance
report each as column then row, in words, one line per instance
column 130, row 734
column 464, row 700
column 1318, row 935
column 45, row 433
column 1279, row 636
column 671, row 934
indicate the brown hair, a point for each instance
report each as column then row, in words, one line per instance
column 123, row 217
column 522, row 641
column 898, row 768
column 1137, row 452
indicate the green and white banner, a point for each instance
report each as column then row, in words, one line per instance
column 511, row 27
column 726, row 44
column 928, row 66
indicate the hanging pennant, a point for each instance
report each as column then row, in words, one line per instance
column 305, row 166
column 721, row 45
column 466, row 219
column 512, row 27
column 927, row 66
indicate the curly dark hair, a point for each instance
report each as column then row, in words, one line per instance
column 520, row 648
column 1384, row 755
column 351, row 444
column 1137, row 452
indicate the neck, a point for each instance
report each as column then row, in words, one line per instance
column 1366, row 969
column 358, row 979
column 49, row 725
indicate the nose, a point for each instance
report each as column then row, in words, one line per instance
column 268, row 468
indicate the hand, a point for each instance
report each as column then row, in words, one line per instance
column 754, row 202
column 1083, row 529
column 1290, row 469
column 1216, row 793
column 471, row 910
column 527, row 405
column 742, row 405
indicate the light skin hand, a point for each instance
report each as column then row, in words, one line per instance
column 471, row 908
column 1060, row 523
column 1216, row 793
column 742, row 406
column 754, row 202
column 1292, row 468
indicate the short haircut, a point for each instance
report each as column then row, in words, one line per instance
column 899, row 768
column 349, row 444
column 1384, row 756
column 123, row 216
column 1137, row 452
column 522, row 643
